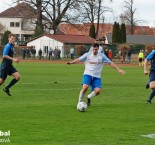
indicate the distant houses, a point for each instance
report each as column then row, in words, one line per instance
column 20, row 20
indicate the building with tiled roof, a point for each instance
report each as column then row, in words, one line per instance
column 47, row 41
column 83, row 29
column 20, row 20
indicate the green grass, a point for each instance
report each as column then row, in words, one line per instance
column 43, row 112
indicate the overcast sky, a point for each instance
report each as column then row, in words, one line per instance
column 145, row 10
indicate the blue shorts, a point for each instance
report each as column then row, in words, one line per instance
column 152, row 76
column 92, row 81
column 7, row 71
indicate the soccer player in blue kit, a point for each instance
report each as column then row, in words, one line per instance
column 92, row 75
column 151, row 84
column 6, row 66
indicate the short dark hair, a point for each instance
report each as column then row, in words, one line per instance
column 11, row 34
column 95, row 45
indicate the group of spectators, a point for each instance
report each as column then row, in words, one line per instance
column 54, row 54
column 27, row 53
column 51, row 55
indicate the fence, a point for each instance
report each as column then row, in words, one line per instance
column 66, row 51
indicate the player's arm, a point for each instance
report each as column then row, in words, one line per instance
column 6, row 56
column 145, row 67
column 108, row 61
column 148, row 58
column 74, row 61
column 80, row 59
column 117, row 68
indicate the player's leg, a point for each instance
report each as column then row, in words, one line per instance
column 1, row 81
column 96, row 89
column 147, row 85
column 152, row 86
column 83, row 91
column 140, row 61
column 3, row 76
column 16, row 78
column 85, row 85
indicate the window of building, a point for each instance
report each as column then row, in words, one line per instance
column 45, row 49
column 11, row 24
column 17, row 24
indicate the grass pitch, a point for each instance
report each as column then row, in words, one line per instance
column 42, row 108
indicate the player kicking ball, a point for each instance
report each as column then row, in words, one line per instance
column 6, row 65
column 92, row 74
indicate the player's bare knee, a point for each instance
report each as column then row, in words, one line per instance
column 97, row 91
column 152, row 86
column 17, row 77
column 1, row 81
column 84, row 90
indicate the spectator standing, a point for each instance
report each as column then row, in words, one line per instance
column 40, row 54
column 106, row 52
column 129, row 56
column 59, row 53
column 24, row 53
column 72, row 53
column 110, row 54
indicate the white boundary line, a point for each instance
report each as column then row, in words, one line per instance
column 52, row 89
column 48, row 83
column 149, row 135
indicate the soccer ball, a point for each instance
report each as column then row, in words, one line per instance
column 82, row 106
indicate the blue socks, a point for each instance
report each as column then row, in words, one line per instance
column 11, row 83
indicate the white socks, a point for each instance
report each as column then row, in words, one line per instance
column 81, row 95
column 92, row 94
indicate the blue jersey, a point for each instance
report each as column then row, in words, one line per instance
column 8, row 50
column 151, row 57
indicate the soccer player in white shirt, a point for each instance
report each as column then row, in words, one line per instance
column 92, row 75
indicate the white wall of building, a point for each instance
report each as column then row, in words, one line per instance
column 29, row 24
column 6, row 23
column 47, row 42
column 26, row 26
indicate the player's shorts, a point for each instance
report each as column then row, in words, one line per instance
column 92, row 81
column 7, row 71
column 152, row 76
column 140, row 59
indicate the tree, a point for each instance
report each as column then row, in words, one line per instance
column 92, row 31
column 128, row 15
column 116, row 33
column 4, row 39
column 91, row 11
column 38, row 31
column 38, row 4
column 57, row 11
column 123, row 33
